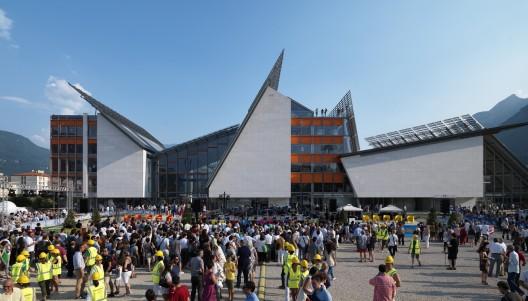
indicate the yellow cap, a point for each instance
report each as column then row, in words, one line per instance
column 98, row 257
column 25, row 253
column 159, row 254
column 51, row 247
column 295, row 260
column 290, row 247
column 55, row 251
column 415, row 236
column 304, row 263
column 43, row 255
column 91, row 242
column 317, row 257
column 20, row 258
column 96, row 276
column 23, row 279
column 389, row 259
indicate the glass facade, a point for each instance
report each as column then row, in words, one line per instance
column 66, row 145
column 183, row 170
column 318, row 180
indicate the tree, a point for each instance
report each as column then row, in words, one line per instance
column 454, row 218
column 96, row 216
column 432, row 217
column 69, row 221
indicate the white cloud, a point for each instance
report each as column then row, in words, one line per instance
column 64, row 98
column 42, row 138
column 5, row 26
column 521, row 93
column 16, row 99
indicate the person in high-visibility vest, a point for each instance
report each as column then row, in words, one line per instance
column 318, row 262
column 293, row 278
column 98, row 268
column 44, row 275
column 159, row 266
column 26, row 265
column 414, row 250
column 56, row 267
column 90, row 255
column 304, row 269
column 391, row 271
column 28, row 293
column 50, row 251
column 16, row 269
column 96, row 291
column 287, row 263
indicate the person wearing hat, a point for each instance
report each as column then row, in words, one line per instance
column 89, row 255
column 96, row 291
column 391, row 271
column 97, row 268
column 50, row 251
column 414, row 250
column 159, row 266
column 28, row 293
column 26, row 263
column 56, row 268
column 16, row 269
column 293, row 278
column 44, row 275
column 317, row 262
column 287, row 260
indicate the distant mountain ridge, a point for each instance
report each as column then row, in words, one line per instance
column 19, row 154
column 511, row 110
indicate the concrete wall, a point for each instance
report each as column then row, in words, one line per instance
column 445, row 169
column 258, row 165
column 121, row 164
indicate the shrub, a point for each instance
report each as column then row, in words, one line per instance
column 69, row 221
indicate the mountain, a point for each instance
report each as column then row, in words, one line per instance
column 19, row 154
column 511, row 110
column 517, row 139
column 502, row 111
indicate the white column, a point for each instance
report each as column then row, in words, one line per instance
column 85, row 156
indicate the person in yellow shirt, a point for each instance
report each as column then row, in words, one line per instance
column 96, row 291
column 16, row 269
column 97, row 268
column 56, row 269
column 294, row 278
column 26, row 265
column 44, row 275
column 230, row 269
column 28, row 293
column 89, row 255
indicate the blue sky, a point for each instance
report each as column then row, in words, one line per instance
column 182, row 69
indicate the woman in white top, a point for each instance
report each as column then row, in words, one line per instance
column 393, row 243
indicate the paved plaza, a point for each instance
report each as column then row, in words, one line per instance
column 430, row 282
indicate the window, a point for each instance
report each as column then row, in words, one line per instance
column 55, row 131
column 54, row 148
column 301, row 148
column 92, row 165
column 79, row 148
column 79, row 167
column 92, row 149
column 71, row 148
column 64, row 148
column 92, row 131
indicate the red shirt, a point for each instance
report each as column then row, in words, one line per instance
column 180, row 293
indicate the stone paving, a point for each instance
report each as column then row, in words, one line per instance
column 430, row 282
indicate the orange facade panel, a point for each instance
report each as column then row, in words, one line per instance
column 92, row 141
column 317, row 121
column 66, row 122
column 66, row 140
column 317, row 177
column 311, row 158
column 316, row 139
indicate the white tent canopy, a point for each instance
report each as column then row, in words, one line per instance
column 390, row 208
column 349, row 208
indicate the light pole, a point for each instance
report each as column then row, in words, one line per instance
column 224, row 197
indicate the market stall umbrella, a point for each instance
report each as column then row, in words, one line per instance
column 349, row 208
column 390, row 208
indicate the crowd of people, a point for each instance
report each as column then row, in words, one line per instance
column 221, row 258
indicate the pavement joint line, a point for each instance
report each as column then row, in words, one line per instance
column 262, row 282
